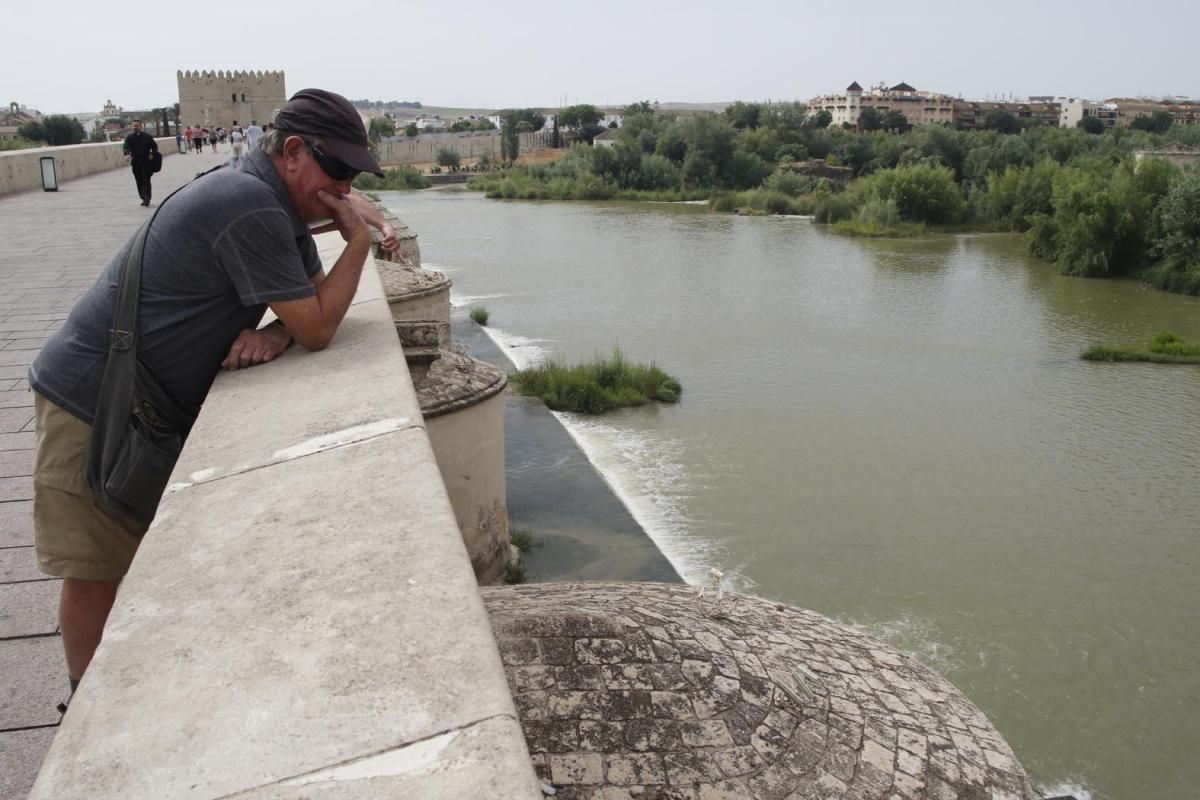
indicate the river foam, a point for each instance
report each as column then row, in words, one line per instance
column 643, row 469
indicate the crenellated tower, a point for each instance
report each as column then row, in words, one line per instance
column 211, row 98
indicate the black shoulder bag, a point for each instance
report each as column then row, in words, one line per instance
column 139, row 430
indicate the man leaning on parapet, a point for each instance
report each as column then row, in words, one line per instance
column 222, row 250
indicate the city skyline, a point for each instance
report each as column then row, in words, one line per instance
column 486, row 56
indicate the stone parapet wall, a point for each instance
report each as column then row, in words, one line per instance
column 21, row 171
column 302, row 619
column 423, row 149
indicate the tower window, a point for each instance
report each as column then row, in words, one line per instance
column 243, row 97
column 234, row 97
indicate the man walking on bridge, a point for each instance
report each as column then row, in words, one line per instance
column 140, row 151
column 220, row 252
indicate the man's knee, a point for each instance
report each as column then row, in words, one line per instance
column 94, row 594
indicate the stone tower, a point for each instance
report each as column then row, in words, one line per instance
column 217, row 98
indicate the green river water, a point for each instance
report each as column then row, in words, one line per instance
column 898, row 434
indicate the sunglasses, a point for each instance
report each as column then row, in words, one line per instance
column 333, row 166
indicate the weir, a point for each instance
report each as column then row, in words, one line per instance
column 304, row 617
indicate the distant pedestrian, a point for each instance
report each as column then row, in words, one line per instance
column 253, row 134
column 198, row 139
column 212, row 140
column 140, row 151
column 179, row 140
column 236, row 138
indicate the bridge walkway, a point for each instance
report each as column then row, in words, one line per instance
column 54, row 245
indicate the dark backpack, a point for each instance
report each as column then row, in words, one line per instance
column 155, row 161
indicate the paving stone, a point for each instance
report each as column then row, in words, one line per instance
column 16, row 399
column 35, row 678
column 16, row 488
column 29, row 609
column 16, row 441
column 19, row 564
column 16, row 523
column 662, row 691
column 577, row 768
column 16, row 463
column 21, row 753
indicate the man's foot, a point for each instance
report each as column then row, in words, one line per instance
column 145, row 202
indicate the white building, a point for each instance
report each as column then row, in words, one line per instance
column 1073, row 110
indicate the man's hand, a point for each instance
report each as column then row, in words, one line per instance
column 345, row 218
column 390, row 243
column 256, row 347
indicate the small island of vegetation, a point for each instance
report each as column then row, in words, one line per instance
column 1164, row 348
column 601, row 385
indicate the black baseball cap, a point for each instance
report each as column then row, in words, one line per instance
column 316, row 112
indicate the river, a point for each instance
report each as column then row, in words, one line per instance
column 898, row 434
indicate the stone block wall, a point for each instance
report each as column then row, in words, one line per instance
column 212, row 98
column 302, row 619
column 21, row 171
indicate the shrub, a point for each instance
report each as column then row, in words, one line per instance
column 480, row 315
column 790, row 183
column 601, row 385
column 393, row 179
column 921, row 192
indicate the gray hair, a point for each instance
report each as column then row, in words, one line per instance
column 272, row 141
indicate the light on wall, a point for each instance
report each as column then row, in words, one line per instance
column 49, row 174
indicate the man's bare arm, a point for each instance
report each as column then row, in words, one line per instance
column 313, row 321
column 370, row 214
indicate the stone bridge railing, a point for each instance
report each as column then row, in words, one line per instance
column 302, row 619
column 20, row 170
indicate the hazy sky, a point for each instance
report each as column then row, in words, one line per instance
column 72, row 56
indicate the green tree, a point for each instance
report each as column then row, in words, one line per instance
column 633, row 109
column 1092, row 125
column 381, row 127
column 55, row 130
column 1002, row 121
column 33, row 131
column 870, row 119
column 1158, row 122
column 894, row 121
column 1178, row 239
column 579, row 116
column 743, row 115
column 411, row 129
column 820, row 120
column 448, row 157
column 510, row 140
column 460, row 125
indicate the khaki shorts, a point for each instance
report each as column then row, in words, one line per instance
column 75, row 537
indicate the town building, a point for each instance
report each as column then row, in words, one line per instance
column 918, row 107
column 13, row 117
column 1186, row 112
column 212, row 99
column 606, row 139
column 972, row 115
column 1072, row 111
column 1179, row 155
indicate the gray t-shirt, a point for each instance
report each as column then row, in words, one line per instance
column 218, row 252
